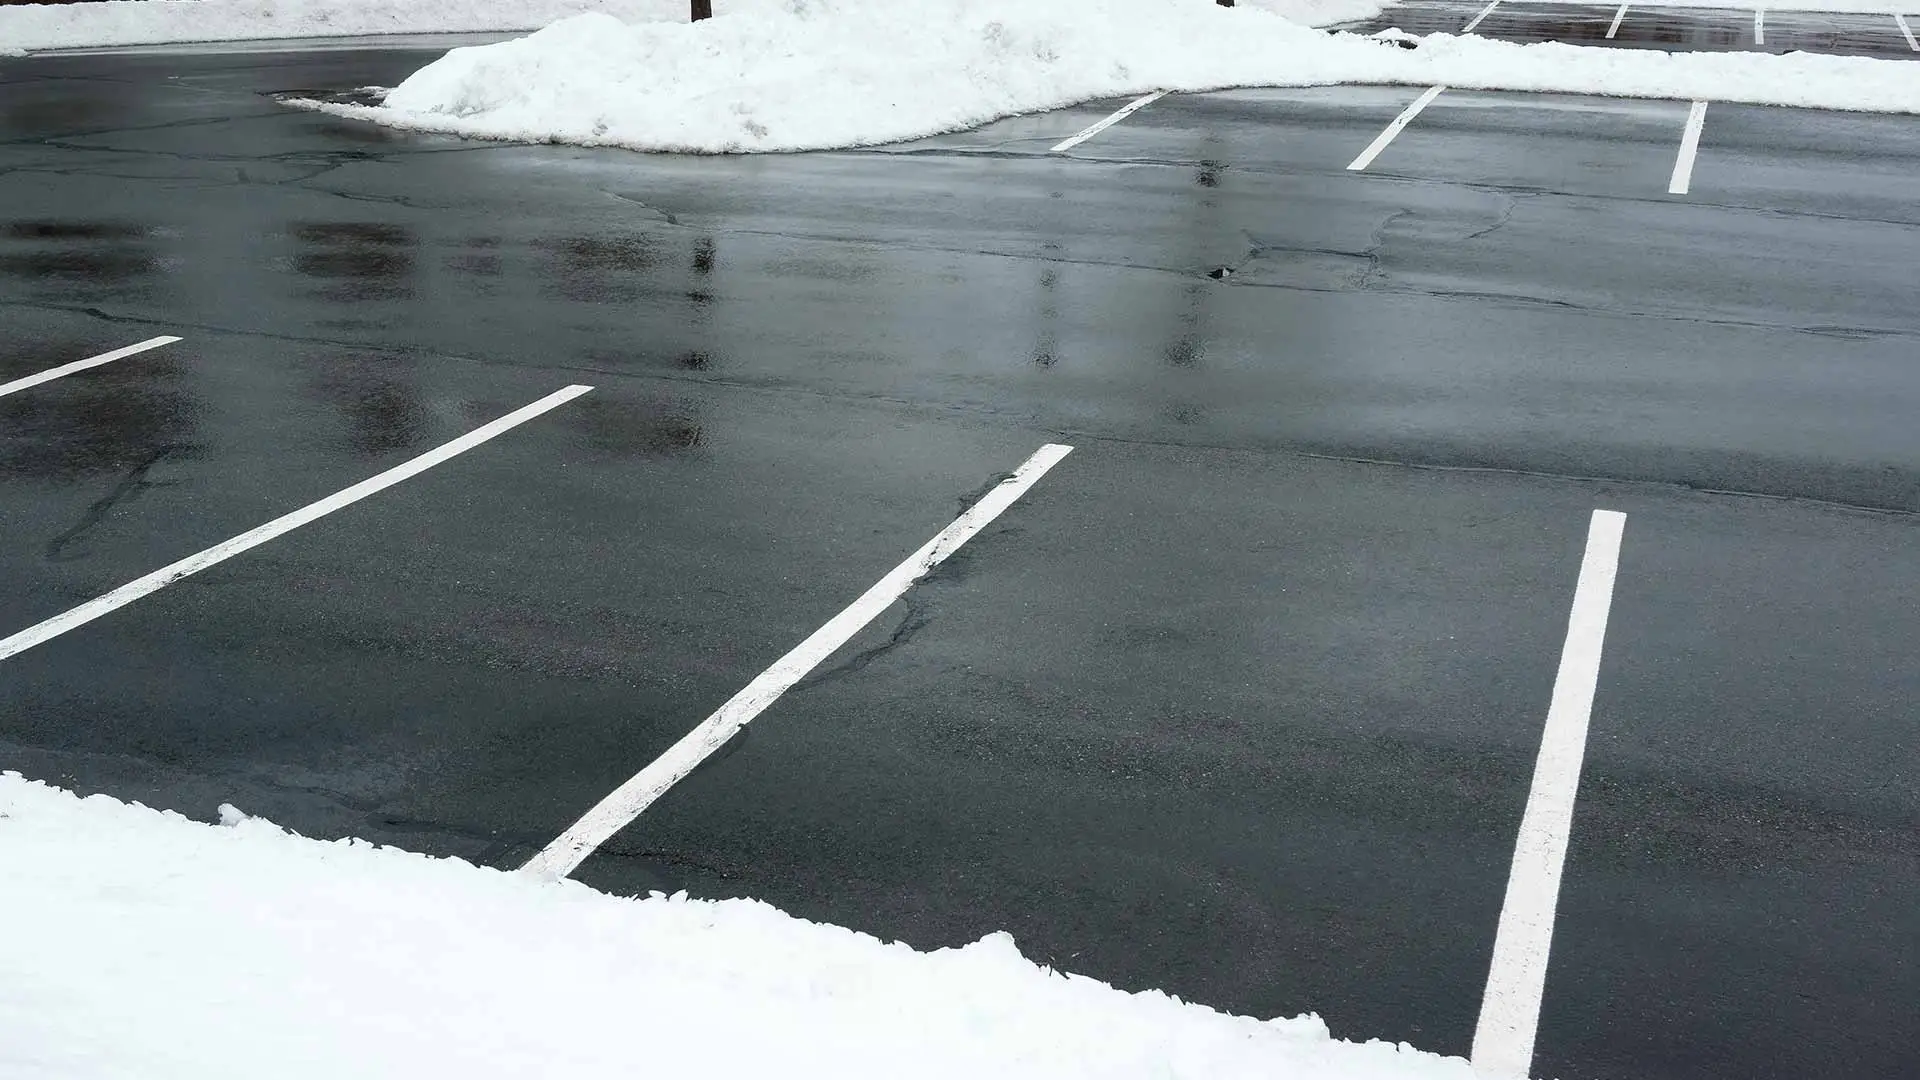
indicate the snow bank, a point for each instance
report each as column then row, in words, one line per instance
column 144, row 944
column 816, row 74
column 152, row 22
column 155, row 22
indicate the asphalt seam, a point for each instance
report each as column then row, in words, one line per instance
column 1493, row 470
column 1516, row 191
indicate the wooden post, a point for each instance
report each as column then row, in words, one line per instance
column 702, row 9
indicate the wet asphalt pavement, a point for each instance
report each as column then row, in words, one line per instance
column 1677, row 29
column 1240, row 702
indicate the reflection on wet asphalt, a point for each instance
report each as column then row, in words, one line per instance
column 602, row 269
column 378, row 401
column 629, row 428
column 117, row 421
column 359, row 260
column 1240, row 706
column 77, row 252
column 479, row 257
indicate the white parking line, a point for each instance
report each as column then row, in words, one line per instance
column 1689, row 147
column 1399, row 124
column 618, row 810
column 1759, row 29
column 1127, row 110
column 1484, row 12
column 43, row 632
column 51, row 374
column 1907, row 32
column 1510, row 1010
column 1617, row 16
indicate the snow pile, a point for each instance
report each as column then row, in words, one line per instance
column 154, row 22
column 143, row 944
column 149, row 22
column 814, row 74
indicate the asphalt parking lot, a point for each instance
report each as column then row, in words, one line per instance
column 1887, row 35
column 1241, row 700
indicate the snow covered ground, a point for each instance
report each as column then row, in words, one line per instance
column 776, row 75
column 143, row 944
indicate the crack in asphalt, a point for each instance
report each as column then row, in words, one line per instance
column 42, row 140
column 130, row 487
column 1513, row 200
column 407, row 201
column 1376, row 242
column 912, row 621
column 660, row 215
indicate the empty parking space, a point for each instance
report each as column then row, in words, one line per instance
column 1586, row 146
column 478, row 612
column 115, row 471
column 74, row 618
column 652, row 782
column 1291, row 130
column 1613, row 258
column 1838, row 166
column 1218, row 713
column 1580, row 24
column 1746, row 827
column 1679, row 30
column 88, row 363
column 1559, row 143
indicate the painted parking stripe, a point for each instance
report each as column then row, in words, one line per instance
column 51, row 374
column 1399, row 124
column 43, row 632
column 1907, row 32
column 1617, row 16
column 1759, row 26
column 1510, row 1010
column 618, row 810
column 1484, row 12
column 1682, row 180
column 1125, row 111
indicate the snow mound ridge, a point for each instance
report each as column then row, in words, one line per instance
column 163, row 948
column 820, row 74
